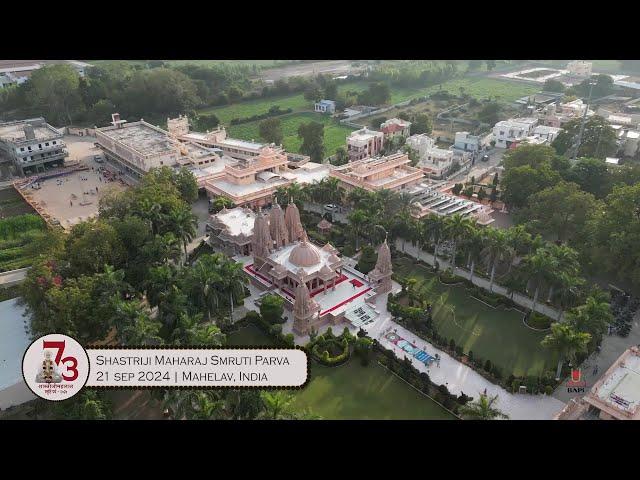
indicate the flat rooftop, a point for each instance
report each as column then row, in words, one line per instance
column 14, row 340
column 308, row 173
column 244, row 144
column 14, row 131
column 621, row 389
column 237, row 190
column 141, row 137
column 237, row 220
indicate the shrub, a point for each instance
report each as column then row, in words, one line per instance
column 515, row 386
column 548, row 390
column 539, row 321
column 488, row 365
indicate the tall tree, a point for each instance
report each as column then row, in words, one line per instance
column 567, row 342
column 271, row 130
column 312, row 135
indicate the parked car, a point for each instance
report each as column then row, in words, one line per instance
column 330, row 207
column 485, row 158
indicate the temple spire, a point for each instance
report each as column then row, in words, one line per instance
column 292, row 221
column 277, row 226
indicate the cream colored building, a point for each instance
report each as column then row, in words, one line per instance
column 615, row 396
column 392, row 172
column 364, row 143
column 138, row 147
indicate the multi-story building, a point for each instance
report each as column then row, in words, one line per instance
column 556, row 115
column 364, row 143
column 253, row 181
column 138, row 147
column 394, row 127
column 580, row 68
column 433, row 161
column 513, row 130
column 466, row 142
column 392, row 172
column 546, row 133
column 32, row 145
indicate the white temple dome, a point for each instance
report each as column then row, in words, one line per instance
column 304, row 255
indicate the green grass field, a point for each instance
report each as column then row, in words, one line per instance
column 334, row 134
column 351, row 391
column 295, row 102
column 494, row 334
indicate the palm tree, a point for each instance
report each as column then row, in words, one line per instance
column 233, row 280
column 433, row 228
column 456, row 228
column 593, row 317
column 358, row 219
column 159, row 280
column 473, row 246
column 183, row 223
column 277, row 405
column 482, row 409
column 568, row 291
column 150, row 211
column 540, row 267
column 496, row 250
column 567, row 342
column 204, row 278
column 567, row 265
column 194, row 404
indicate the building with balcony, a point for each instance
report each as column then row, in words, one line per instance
column 364, row 143
column 434, row 161
column 32, row 145
column 392, row 172
column 138, row 147
column 513, row 130
column 394, row 127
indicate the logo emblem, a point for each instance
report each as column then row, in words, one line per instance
column 55, row 367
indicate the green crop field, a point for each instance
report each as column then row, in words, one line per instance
column 352, row 391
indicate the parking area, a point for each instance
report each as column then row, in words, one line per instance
column 74, row 197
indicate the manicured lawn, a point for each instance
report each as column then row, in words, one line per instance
column 492, row 334
column 351, row 391
column 334, row 134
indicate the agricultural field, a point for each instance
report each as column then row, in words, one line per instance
column 16, row 236
column 334, row 134
column 295, row 102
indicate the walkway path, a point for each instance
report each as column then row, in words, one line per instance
column 518, row 298
column 13, row 277
column 459, row 377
